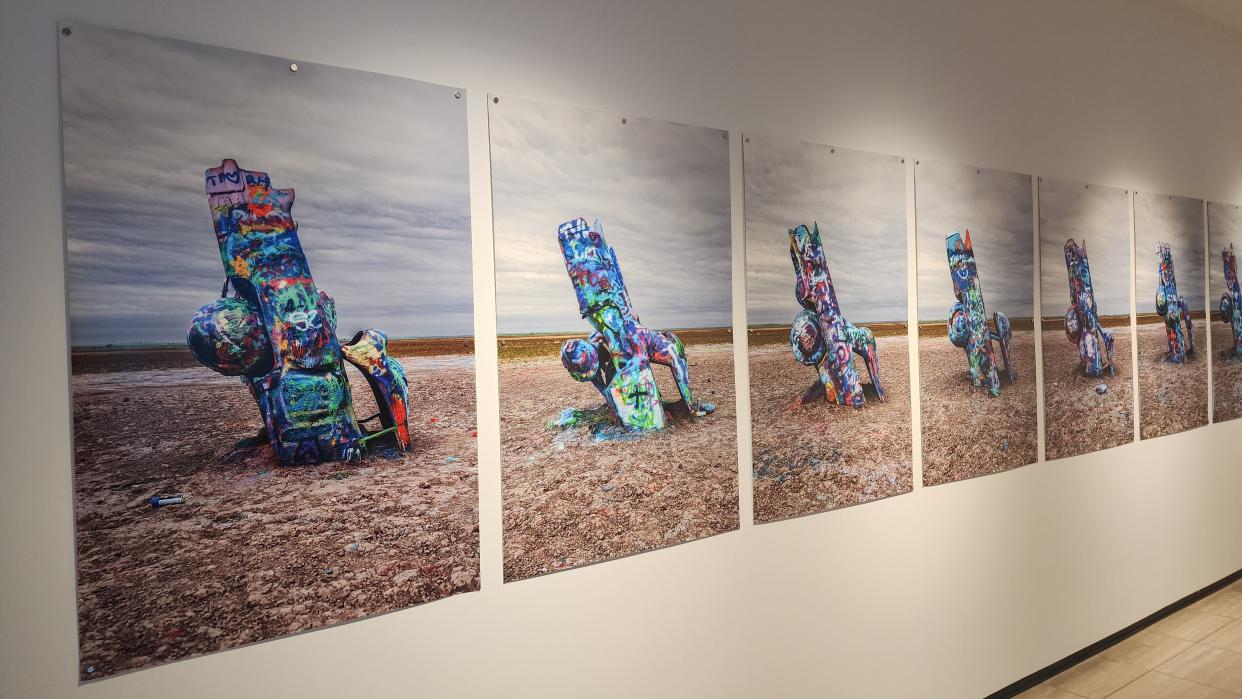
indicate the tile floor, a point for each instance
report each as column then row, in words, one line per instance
column 1193, row 654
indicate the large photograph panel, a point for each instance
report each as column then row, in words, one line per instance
column 826, row 326
column 1084, row 247
column 1172, row 337
column 271, row 318
column 618, row 434
column 976, row 267
column 1225, row 234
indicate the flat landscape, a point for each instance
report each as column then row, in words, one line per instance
column 589, row 491
column 257, row 551
column 109, row 358
column 822, row 456
column 1226, row 375
column 1172, row 397
column 549, row 344
column 1078, row 417
column 966, row 431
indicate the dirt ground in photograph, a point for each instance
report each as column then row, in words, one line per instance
column 1226, row 375
column 966, row 431
column 1172, row 397
column 258, row 550
column 821, row 455
column 1078, row 418
column 573, row 496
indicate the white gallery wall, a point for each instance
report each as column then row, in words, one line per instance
column 951, row 591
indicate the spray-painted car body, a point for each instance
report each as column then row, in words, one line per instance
column 821, row 336
column 1231, row 301
column 1173, row 308
column 617, row 357
column 368, row 350
column 968, row 320
column 1082, row 319
column 278, row 330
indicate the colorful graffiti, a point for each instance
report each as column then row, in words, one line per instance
column 1082, row 319
column 278, row 330
column 368, row 350
column 820, row 336
column 1173, row 308
column 968, row 320
column 617, row 357
column 1231, row 301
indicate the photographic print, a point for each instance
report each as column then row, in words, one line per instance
column 1084, row 248
column 1225, row 234
column 1172, row 340
column 826, row 326
column 976, row 361
column 271, row 319
column 618, row 434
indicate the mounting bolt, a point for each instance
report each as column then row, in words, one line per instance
column 457, row 95
column 66, row 31
column 293, row 67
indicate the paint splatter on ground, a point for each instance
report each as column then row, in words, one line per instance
column 1078, row 419
column 966, row 431
column 824, row 456
column 1226, row 375
column 571, row 497
column 259, row 551
column 1172, row 397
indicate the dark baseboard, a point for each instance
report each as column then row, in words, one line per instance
column 1047, row 673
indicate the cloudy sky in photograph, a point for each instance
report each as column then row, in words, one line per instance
column 1101, row 217
column 996, row 207
column 660, row 189
column 379, row 165
column 859, row 200
column 1177, row 221
column 1224, row 227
